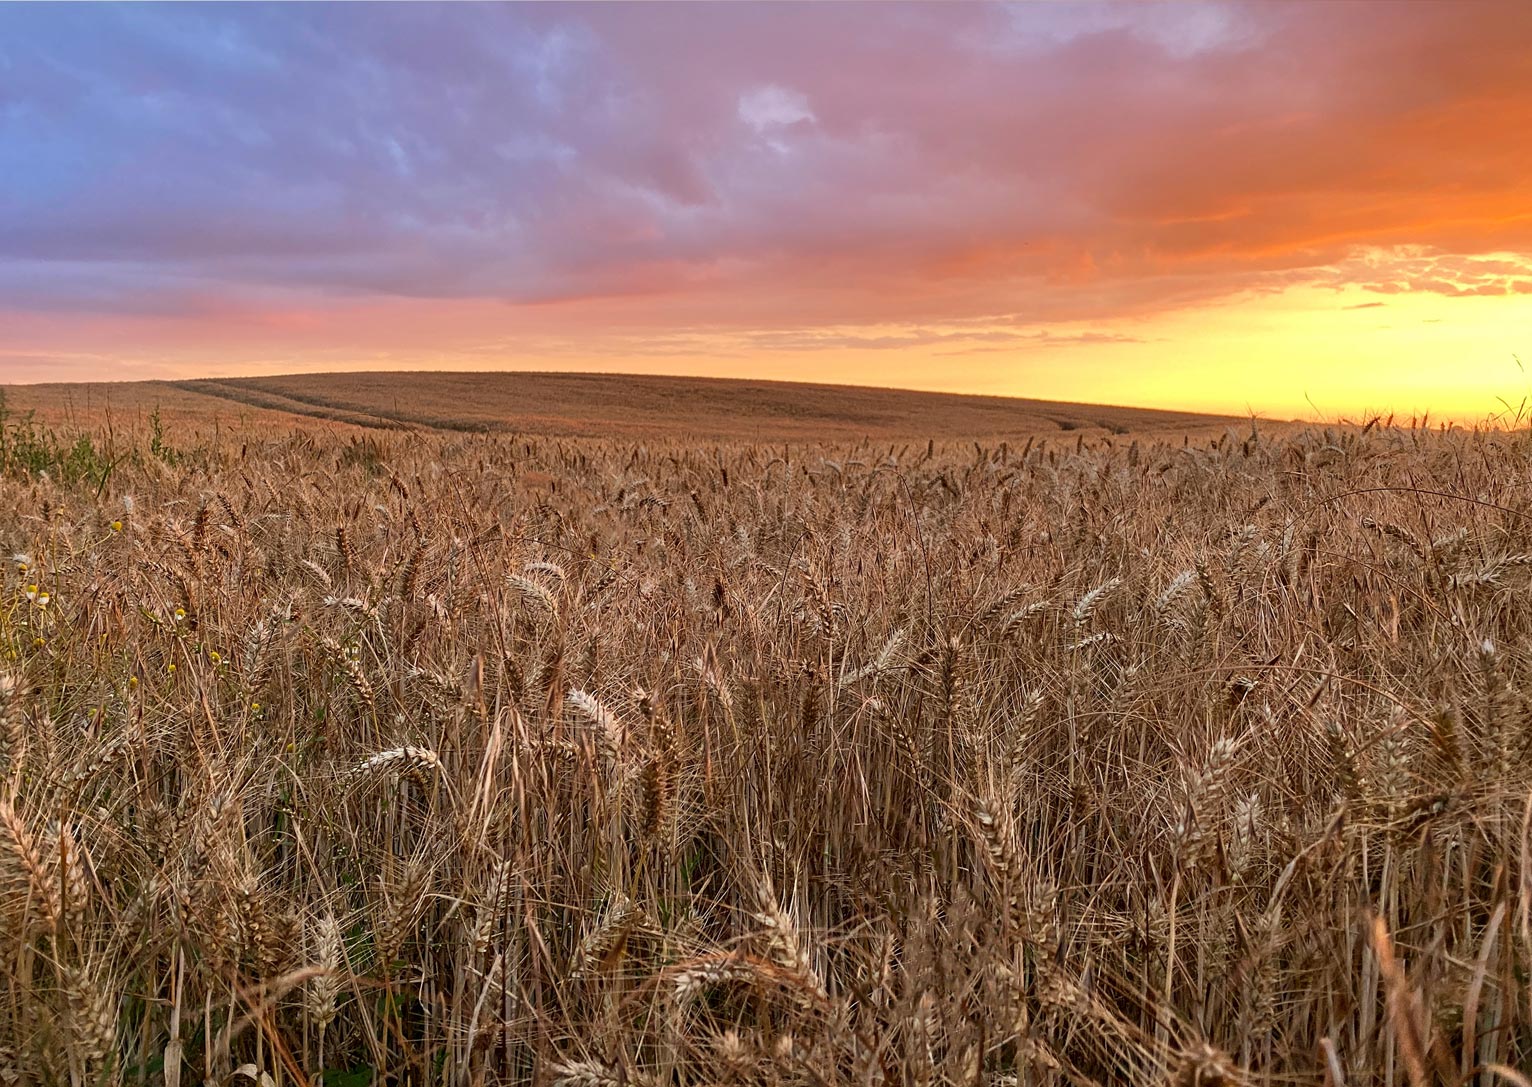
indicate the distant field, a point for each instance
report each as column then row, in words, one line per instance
column 603, row 405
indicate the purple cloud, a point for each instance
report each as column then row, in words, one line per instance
column 760, row 166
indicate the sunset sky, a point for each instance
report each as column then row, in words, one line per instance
column 1290, row 208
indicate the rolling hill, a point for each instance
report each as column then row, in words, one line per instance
column 602, row 405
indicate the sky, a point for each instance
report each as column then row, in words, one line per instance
column 1291, row 209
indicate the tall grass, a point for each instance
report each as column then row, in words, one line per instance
column 470, row 760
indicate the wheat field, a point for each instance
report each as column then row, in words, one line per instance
column 480, row 759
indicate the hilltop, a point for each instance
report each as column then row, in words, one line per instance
column 603, row 405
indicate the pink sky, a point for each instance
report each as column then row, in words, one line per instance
column 1201, row 205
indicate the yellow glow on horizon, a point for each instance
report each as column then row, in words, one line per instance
column 1304, row 353
column 1307, row 353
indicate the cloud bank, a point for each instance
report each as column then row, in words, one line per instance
column 764, row 171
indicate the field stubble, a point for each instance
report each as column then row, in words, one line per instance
column 465, row 759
